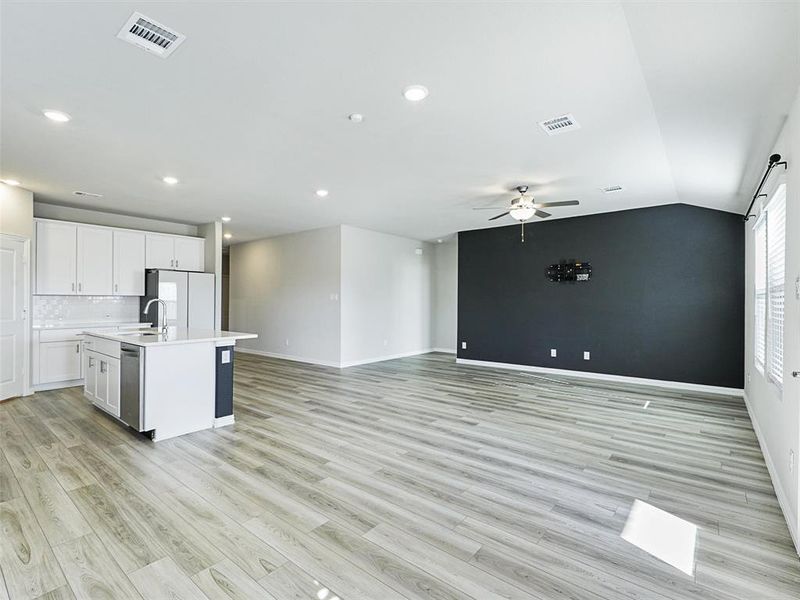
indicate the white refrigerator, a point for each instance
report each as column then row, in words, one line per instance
column 189, row 297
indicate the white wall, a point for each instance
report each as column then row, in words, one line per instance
column 776, row 416
column 444, row 319
column 212, row 232
column 386, row 296
column 16, row 211
column 96, row 217
column 287, row 288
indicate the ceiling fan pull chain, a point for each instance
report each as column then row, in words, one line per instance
column 523, row 231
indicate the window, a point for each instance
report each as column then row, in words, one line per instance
column 770, row 282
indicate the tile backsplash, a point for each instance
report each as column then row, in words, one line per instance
column 85, row 309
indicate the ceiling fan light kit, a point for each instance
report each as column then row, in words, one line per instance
column 526, row 207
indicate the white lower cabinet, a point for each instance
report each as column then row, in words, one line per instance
column 59, row 361
column 102, row 381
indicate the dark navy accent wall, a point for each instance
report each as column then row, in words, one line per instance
column 665, row 301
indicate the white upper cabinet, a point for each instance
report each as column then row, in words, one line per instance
column 160, row 251
column 92, row 260
column 56, row 258
column 129, row 259
column 95, row 274
column 175, row 252
column 190, row 254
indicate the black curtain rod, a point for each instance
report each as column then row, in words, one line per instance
column 774, row 161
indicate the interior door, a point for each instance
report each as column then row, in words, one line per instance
column 95, row 274
column 201, row 301
column 129, row 257
column 56, row 258
column 13, row 317
column 173, row 287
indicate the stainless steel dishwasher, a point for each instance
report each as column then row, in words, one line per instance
column 131, row 402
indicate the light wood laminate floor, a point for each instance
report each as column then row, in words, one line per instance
column 414, row 478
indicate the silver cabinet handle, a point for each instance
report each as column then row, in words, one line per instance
column 91, row 362
column 171, row 262
column 116, row 287
column 795, row 373
column 176, row 263
column 80, row 286
column 78, row 348
column 103, row 366
column 73, row 286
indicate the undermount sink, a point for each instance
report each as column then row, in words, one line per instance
column 140, row 333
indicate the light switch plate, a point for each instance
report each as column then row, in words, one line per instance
column 463, row 345
column 226, row 357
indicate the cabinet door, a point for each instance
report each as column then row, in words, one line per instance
column 112, row 383
column 101, row 388
column 129, row 263
column 59, row 361
column 95, row 261
column 160, row 252
column 90, row 375
column 56, row 258
column 190, row 254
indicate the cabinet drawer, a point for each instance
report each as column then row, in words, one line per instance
column 103, row 346
column 61, row 335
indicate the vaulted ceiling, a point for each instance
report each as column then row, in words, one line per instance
column 677, row 102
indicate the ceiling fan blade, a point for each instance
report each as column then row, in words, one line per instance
column 503, row 215
column 541, row 214
column 563, row 203
column 486, row 208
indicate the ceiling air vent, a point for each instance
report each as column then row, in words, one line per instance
column 559, row 124
column 87, row 194
column 150, row 35
column 611, row 189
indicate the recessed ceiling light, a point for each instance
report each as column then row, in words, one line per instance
column 356, row 117
column 169, row 180
column 415, row 93
column 10, row 181
column 322, row 193
column 226, row 219
column 56, row 115
column 227, row 236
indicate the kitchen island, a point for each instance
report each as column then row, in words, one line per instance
column 166, row 383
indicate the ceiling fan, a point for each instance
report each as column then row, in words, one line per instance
column 525, row 207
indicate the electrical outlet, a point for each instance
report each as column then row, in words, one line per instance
column 586, row 356
column 287, row 342
column 791, row 460
column 553, row 352
column 748, row 377
column 463, row 345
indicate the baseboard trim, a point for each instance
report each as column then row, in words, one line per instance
column 338, row 365
column 674, row 385
column 223, row 421
column 445, row 350
column 308, row 361
column 366, row 361
column 56, row 385
column 783, row 499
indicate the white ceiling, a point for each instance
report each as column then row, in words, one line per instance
column 678, row 103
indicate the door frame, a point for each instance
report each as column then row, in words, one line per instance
column 27, row 388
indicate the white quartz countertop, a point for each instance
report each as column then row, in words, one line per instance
column 174, row 335
column 86, row 324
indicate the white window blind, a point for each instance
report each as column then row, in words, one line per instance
column 760, row 308
column 776, row 281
